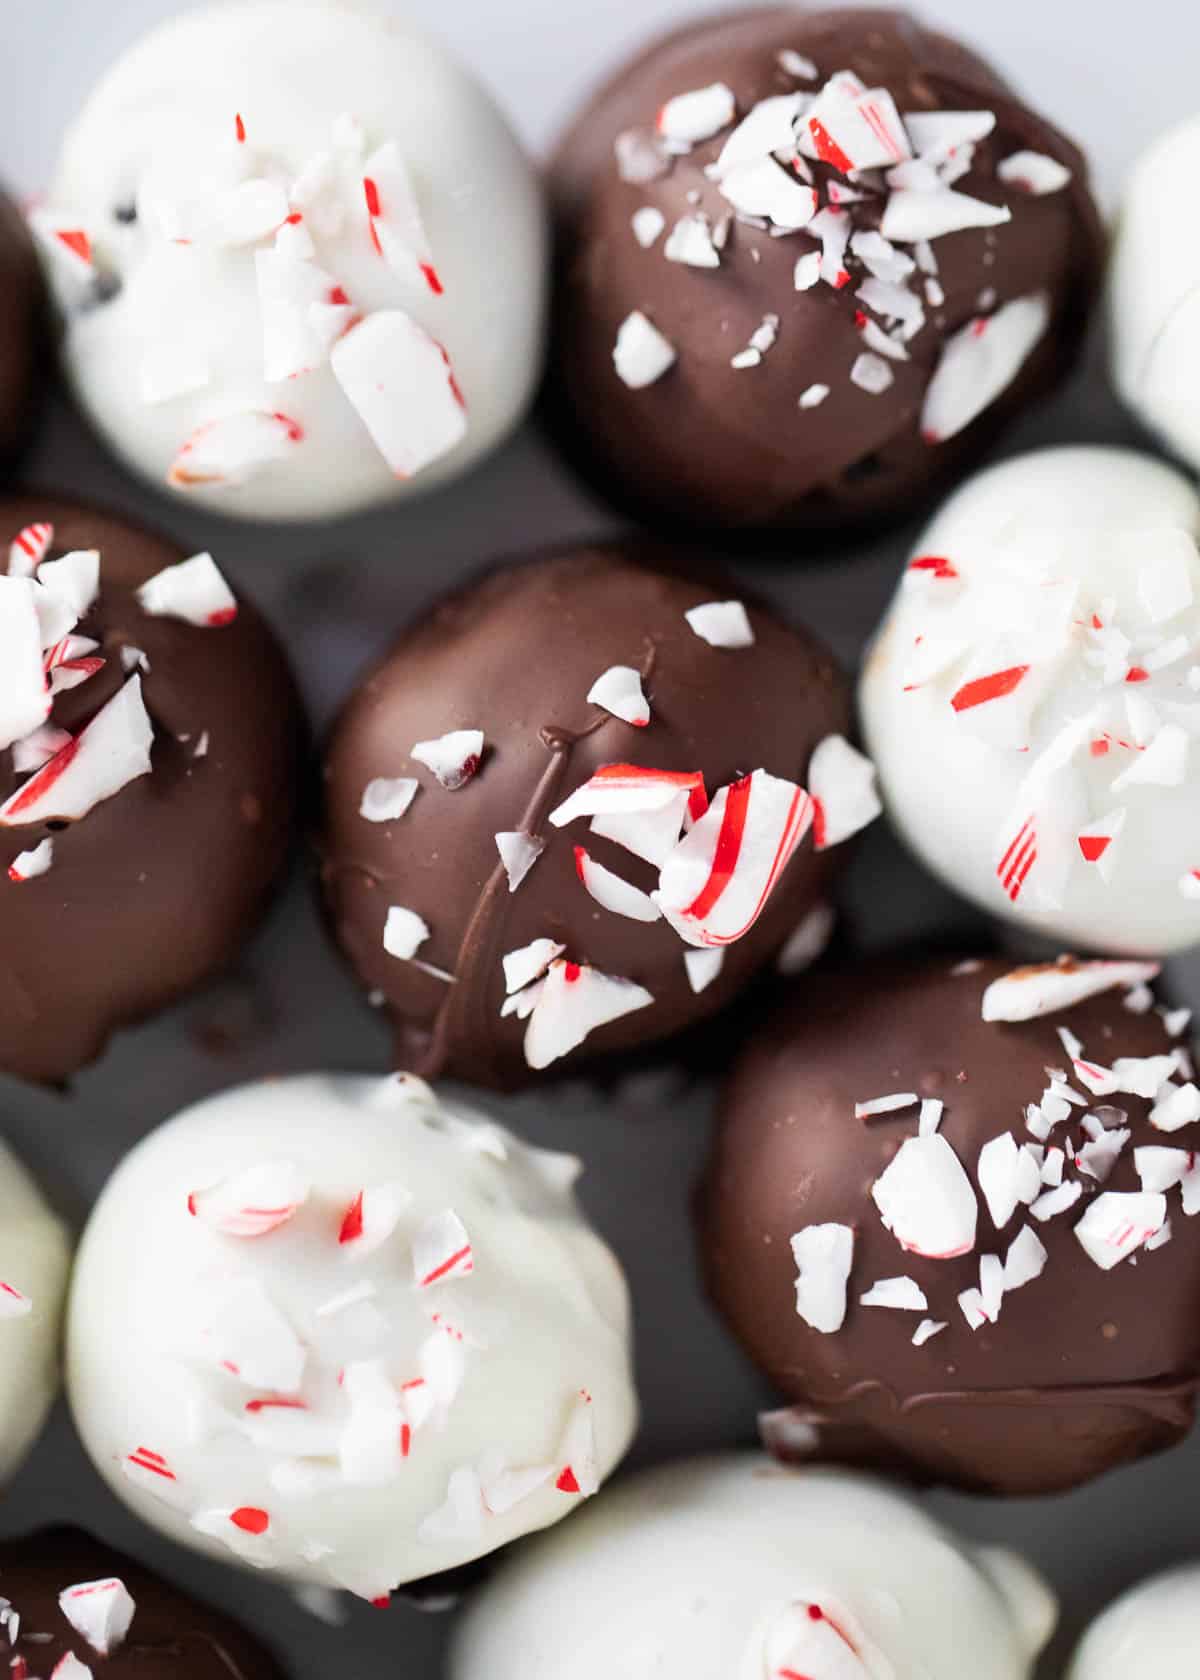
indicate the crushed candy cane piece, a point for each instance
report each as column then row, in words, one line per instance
column 1033, row 172
column 578, row 1450
column 1117, row 1223
column 808, row 942
column 853, row 128
column 722, row 624
column 387, row 798
column 404, row 932
column 841, row 782
column 611, row 892
column 641, row 355
column 813, row 396
column 24, row 696
column 27, row 866
column 1047, row 988
column 529, row 963
column 912, row 214
column 372, row 1217
column 245, row 1529
column 395, row 216
column 234, row 450
column 765, row 189
column 979, row 363
column 112, row 751
column 1056, row 1201
column 619, row 691
column 691, row 243
column 14, row 1304
column 193, row 590
column 823, row 1256
column 902, row 1294
column 648, row 224
column 1008, row 1175
column 101, row 1612
column 75, row 578
column 574, row 1001
column 885, row 1105
column 453, row 758
column 29, row 548
column 1026, row 1259
column 518, row 853
column 702, row 968
column 441, row 1249
column 926, row 1330
column 251, row 1203
column 768, row 128
column 1177, row 1106
column 691, row 117
column 925, row 1199
column 401, row 384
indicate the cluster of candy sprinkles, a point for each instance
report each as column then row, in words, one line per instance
column 866, row 192
column 44, row 608
column 328, row 1338
column 99, row 1612
column 719, row 857
column 397, row 377
column 1051, row 1166
column 1031, row 620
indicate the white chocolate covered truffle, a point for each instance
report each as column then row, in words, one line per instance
column 1032, row 701
column 1154, row 292
column 34, row 1261
column 301, row 259
column 340, row 1329
column 733, row 1568
column 1152, row 1631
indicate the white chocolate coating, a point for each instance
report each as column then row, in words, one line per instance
column 1154, row 292
column 159, row 133
column 35, row 1257
column 707, row 1569
column 1079, row 567
column 1152, row 1630
column 184, row 1340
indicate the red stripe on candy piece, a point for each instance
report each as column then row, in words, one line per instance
column 40, row 784
column 352, row 1224
column 432, row 279
column 566, row 1482
column 827, row 147
column 1137, row 674
column 154, row 1462
column 250, row 1519
column 75, row 239
column 464, row 1254
column 239, row 128
column 992, row 687
column 729, row 845
column 936, row 564
column 1094, row 846
column 283, row 1401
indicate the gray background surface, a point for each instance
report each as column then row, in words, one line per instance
column 338, row 592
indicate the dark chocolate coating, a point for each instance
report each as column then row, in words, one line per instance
column 1083, row 1370
column 158, row 887
column 711, row 443
column 171, row 1637
column 515, row 655
column 23, row 332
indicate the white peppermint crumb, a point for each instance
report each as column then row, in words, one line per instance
column 814, row 396
column 648, row 224
column 871, row 374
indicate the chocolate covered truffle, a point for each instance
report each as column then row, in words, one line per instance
column 301, row 259
column 578, row 806
column 74, row 1607
column 1032, row 698
column 1153, row 1629
column 22, row 331
column 808, row 263
column 730, row 1566
column 950, row 1212
column 149, row 735
column 34, row 1259
column 338, row 1329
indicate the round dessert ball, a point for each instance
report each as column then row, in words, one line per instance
column 1154, row 294
column 949, row 1213
column 1153, row 1629
column 338, row 1329
column 1032, row 697
column 734, row 1566
column 808, row 263
column 301, row 259
column 565, row 815
column 35, row 1256
column 22, row 331
column 77, row 1606
column 149, row 751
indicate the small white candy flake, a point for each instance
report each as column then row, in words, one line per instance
column 902, row 1294
column 691, row 243
column 823, row 1256
column 926, row 1330
column 234, row 449
column 698, row 115
column 404, row 932
column 841, row 782
column 797, row 65
column 647, row 224
column 809, row 940
column 441, row 1250
column 1177, row 1106
column 979, row 363
column 930, row 1117
column 193, row 591
column 702, row 968
column 518, row 853
column 871, row 374
column 1008, row 1175
column 576, row 999
column 885, row 1105
column 806, row 273
column 641, row 354
column 723, row 624
column 386, row 798
column 813, row 396
column 100, row 1612
column 765, row 189
column 401, row 384
column 1117, row 1224
column 1033, row 172
column 453, row 758
column 619, row 691
column 1026, row 1259
column 529, row 963
column 925, row 1199
column 1056, row 1201
column 1028, row 993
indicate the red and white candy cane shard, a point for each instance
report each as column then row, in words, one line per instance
column 1117, row 1223
column 69, row 1667
column 619, row 691
column 441, row 1250
column 111, row 752
column 372, row 1217
column 150, row 1471
column 193, row 590
column 29, row 548
column 529, row 963
column 453, row 758
column 618, row 788
column 764, row 188
column 75, row 578
column 766, row 129
column 1018, row 859
column 245, row 1529
column 252, row 1203
column 716, row 882
column 504, row 1488
column 926, row 1200
column 38, row 748
column 1047, row 988
column 841, row 784
column 1033, row 172
column 611, row 892
column 573, row 1002
column 995, row 685
column 24, row 693
column 979, row 363
column 823, row 1255
column 810, row 1641
column 27, row 866
column 401, row 384
column 897, row 1294
column 518, row 853
column 851, row 128
column 397, row 230
column 234, row 450
column 696, row 115
column 100, row 1612
column 294, row 300
column 577, row 1455
column 1097, row 842
column 13, row 1304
